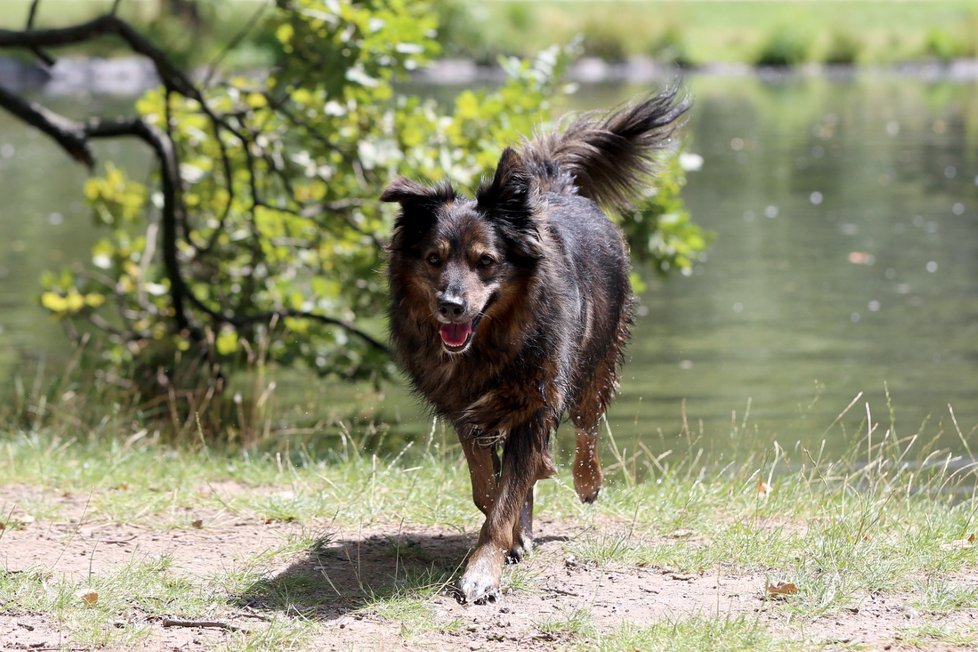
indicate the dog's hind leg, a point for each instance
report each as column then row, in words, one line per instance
column 586, row 415
column 523, row 530
column 587, row 463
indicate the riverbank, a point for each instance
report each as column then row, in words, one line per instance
column 687, row 32
column 129, row 76
column 115, row 543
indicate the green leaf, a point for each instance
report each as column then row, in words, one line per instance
column 227, row 342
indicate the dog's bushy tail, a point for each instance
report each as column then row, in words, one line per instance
column 609, row 157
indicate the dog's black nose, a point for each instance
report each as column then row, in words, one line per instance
column 451, row 306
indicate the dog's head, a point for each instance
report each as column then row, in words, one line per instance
column 456, row 254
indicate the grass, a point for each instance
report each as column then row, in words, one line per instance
column 688, row 32
column 707, row 31
column 695, row 633
column 893, row 518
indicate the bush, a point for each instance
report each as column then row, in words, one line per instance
column 843, row 49
column 784, row 47
column 670, row 46
column 944, row 46
column 604, row 41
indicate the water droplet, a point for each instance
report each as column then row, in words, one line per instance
column 892, row 128
column 931, row 266
column 57, row 218
column 958, row 208
column 771, row 212
column 7, row 150
column 854, row 317
column 950, row 172
column 815, row 198
column 874, row 306
column 736, row 144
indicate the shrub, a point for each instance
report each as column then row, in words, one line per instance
column 604, row 41
column 843, row 49
column 784, row 47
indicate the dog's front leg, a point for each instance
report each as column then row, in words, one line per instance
column 483, row 471
column 520, row 464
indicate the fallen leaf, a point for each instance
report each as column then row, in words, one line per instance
column 861, row 258
column 88, row 596
column 197, row 523
column 763, row 489
column 781, row 589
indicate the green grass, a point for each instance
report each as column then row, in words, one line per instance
column 962, row 637
column 693, row 634
column 703, row 31
column 573, row 623
column 894, row 517
column 689, row 31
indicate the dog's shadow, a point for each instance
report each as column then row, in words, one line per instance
column 333, row 578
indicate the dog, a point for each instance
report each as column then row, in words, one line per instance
column 510, row 310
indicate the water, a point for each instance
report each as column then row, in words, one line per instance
column 845, row 262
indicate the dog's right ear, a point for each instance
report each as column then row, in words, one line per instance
column 506, row 200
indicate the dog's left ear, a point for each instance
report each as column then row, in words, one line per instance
column 412, row 194
column 506, row 200
column 419, row 209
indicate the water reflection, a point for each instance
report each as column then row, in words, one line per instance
column 845, row 261
column 845, row 258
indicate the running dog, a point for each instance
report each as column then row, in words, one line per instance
column 511, row 309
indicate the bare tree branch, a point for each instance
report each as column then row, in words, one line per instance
column 67, row 133
column 108, row 24
column 47, row 59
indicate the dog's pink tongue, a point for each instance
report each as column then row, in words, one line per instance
column 455, row 334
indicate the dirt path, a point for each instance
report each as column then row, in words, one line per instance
column 346, row 588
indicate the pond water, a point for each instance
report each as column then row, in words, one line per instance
column 845, row 264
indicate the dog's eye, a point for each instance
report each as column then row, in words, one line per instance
column 486, row 262
column 434, row 259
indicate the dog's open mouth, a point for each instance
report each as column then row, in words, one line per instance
column 457, row 337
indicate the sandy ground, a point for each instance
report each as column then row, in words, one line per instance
column 330, row 581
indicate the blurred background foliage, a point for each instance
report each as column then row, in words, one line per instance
column 675, row 31
column 291, row 225
column 282, row 246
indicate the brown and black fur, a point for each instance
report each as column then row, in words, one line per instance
column 535, row 277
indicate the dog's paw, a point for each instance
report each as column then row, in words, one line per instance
column 587, row 474
column 588, row 486
column 477, row 588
